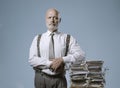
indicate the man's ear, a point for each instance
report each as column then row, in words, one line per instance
column 59, row 20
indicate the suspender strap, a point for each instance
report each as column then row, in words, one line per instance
column 67, row 44
column 38, row 42
column 38, row 52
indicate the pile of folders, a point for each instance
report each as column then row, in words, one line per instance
column 87, row 74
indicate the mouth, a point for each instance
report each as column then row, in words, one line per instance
column 52, row 24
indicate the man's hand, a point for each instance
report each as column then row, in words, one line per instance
column 57, row 65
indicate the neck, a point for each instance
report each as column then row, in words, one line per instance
column 52, row 30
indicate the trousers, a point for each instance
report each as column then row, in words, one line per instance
column 43, row 80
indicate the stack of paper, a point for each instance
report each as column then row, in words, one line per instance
column 96, row 74
column 87, row 75
column 78, row 74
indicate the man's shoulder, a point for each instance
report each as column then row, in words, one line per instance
column 37, row 35
column 40, row 34
column 63, row 34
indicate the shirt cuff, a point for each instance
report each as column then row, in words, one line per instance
column 48, row 63
column 68, row 59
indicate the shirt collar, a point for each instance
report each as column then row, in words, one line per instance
column 49, row 32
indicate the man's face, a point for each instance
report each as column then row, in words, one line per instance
column 52, row 20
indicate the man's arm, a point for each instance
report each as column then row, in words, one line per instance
column 34, row 60
column 74, row 52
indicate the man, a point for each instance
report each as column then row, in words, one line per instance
column 49, row 63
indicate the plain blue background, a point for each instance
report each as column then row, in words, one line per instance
column 94, row 23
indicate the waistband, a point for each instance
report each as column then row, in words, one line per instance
column 48, row 75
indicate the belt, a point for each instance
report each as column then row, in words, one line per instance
column 48, row 75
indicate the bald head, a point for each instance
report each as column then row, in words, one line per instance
column 52, row 19
column 52, row 10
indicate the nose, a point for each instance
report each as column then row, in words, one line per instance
column 52, row 19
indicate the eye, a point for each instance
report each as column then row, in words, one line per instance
column 49, row 17
column 56, row 18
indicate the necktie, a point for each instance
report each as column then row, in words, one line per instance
column 51, row 47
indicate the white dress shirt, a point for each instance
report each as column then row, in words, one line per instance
column 74, row 51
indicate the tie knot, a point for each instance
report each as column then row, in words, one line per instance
column 52, row 34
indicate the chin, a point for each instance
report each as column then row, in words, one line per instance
column 52, row 28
